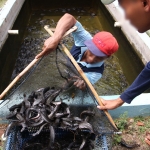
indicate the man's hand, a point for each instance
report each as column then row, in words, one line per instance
column 111, row 104
column 49, row 45
column 79, row 83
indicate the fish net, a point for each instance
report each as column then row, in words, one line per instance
column 76, row 99
column 55, row 71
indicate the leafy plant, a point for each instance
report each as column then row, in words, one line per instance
column 122, row 121
column 116, row 139
column 139, row 118
column 142, row 129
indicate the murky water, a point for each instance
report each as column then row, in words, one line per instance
column 2, row 2
column 120, row 69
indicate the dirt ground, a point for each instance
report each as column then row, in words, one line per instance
column 2, row 130
column 133, row 130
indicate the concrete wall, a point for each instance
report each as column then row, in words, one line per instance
column 8, row 15
column 140, row 106
column 140, row 42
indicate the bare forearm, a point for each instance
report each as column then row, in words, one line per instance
column 120, row 102
column 64, row 24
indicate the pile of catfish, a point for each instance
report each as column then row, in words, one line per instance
column 41, row 110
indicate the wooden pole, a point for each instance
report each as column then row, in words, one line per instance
column 18, row 78
column 83, row 76
column 68, row 32
column 27, row 69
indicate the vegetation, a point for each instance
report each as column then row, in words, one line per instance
column 122, row 121
column 133, row 130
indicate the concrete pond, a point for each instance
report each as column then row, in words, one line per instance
column 127, row 62
column 29, row 18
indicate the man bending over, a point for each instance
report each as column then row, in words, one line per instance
column 89, row 52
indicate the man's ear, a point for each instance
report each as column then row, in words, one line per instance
column 146, row 5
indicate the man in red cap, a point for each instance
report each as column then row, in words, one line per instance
column 89, row 52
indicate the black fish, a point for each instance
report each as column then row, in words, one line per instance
column 40, row 109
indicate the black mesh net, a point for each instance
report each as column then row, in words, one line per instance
column 77, row 100
column 57, row 72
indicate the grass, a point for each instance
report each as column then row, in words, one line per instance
column 132, row 132
column 1, row 144
column 121, row 124
column 122, row 121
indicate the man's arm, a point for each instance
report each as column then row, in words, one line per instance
column 64, row 24
column 141, row 83
column 80, row 35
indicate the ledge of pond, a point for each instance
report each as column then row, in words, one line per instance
column 148, row 32
column 140, row 106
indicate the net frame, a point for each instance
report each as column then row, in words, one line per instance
column 104, row 134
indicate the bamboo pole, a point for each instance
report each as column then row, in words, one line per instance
column 83, row 76
column 18, row 78
column 27, row 69
column 68, row 32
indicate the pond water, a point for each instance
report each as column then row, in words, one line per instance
column 120, row 69
column 2, row 2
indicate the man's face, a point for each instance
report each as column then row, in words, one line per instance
column 91, row 58
column 137, row 11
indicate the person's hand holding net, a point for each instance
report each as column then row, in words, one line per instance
column 79, row 83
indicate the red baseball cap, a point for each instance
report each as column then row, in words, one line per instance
column 103, row 44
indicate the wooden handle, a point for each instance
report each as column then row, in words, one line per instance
column 70, row 31
column 83, row 76
column 67, row 33
column 18, row 77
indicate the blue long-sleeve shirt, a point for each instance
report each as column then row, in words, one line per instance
column 141, row 83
